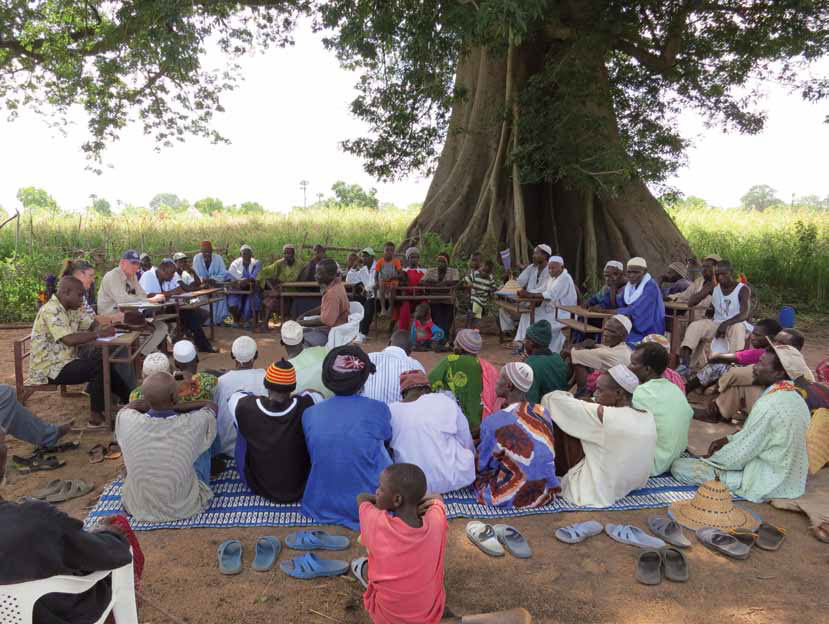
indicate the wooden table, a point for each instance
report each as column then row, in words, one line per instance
column 681, row 316
column 515, row 305
column 285, row 290
column 205, row 296
column 578, row 312
column 127, row 340
column 430, row 294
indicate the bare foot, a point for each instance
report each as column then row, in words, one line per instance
column 822, row 532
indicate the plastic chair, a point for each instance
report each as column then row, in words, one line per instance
column 347, row 332
column 17, row 601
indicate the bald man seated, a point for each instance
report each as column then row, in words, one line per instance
column 167, row 449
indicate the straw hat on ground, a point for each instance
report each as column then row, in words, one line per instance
column 712, row 507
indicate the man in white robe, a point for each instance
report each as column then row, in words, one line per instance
column 534, row 280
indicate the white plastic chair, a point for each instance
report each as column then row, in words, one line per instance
column 347, row 332
column 17, row 601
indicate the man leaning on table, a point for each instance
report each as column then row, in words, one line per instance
column 120, row 286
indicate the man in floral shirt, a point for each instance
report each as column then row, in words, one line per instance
column 60, row 327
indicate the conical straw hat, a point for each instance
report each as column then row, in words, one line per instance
column 817, row 440
column 712, row 507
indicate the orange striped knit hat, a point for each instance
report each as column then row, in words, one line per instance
column 281, row 377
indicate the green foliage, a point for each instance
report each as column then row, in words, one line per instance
column 101, row 206
column 36, row 199
column 760, row 197
column 249, row 208
column 169, row 203
column 209, row 205
column 355, row 195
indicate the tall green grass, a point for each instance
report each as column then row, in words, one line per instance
column 784, row 252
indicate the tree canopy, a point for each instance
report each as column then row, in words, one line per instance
column 132, row 59
column 33, row 198
column 759, row 197
column 355, row 195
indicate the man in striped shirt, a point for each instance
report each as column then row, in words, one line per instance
column 391, row 362
column 481, row 285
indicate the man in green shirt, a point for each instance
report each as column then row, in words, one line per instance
column 549, row 369
column 664, row 400
column 307, row 361
column 286, row 269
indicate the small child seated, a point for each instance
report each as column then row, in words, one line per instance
column 425, row 334
column 388, row 277
column 405, row 533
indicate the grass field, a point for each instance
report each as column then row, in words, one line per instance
column 784, row 252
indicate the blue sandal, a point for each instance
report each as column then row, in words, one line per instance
column 230, row 557
column 316, row 540
column 267, row 550
column 309, row 566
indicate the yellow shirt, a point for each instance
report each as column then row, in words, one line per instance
column 49, row 354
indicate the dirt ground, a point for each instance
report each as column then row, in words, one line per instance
column 589, row 582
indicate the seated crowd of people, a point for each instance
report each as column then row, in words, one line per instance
column 588, row 420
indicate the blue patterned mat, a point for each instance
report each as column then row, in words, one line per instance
column 234, row 505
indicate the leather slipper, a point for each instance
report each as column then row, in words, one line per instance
column 770, row 537
column 96, row 454
column 723, row 543
column 649, row 567
column 674, row 564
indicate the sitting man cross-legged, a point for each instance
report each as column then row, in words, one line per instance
column 516, row 457
column 618, row 441
column 245, row 378
column 730, row 300
column 333, row 310
column 768, row 457
column 59, row 329
column 430, row 430
column 391, row 362
column 167, row 449
column 664, row 400
column 588, row 356
column 549, row 370
column 270, row 447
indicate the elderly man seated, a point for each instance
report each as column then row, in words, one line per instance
column 588, row 356
column 286, row 269
column 516, row 456
column 430, row 431
column 612, row 296
column 167, row 449
column 243, row 272
column 244, row 378
column 730, row 300
column 768, row 457
column 643, row 302
column 333, row 310
column 617, row 440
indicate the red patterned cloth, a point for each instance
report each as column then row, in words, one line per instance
column 823, row 371
column 137, row 558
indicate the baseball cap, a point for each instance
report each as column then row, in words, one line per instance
column 243, row 349
column 292, row 333
column 131, row 255
column 184, row 352
column 179, row 256
column 368, row 250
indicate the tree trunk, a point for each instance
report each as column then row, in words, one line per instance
column 476, row 200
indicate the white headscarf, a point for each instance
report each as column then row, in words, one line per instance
column 632, row 293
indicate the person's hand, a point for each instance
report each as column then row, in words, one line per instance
column 139, row 405
column 108, row 524
column 716, row 445
column 423, row 505
column 107, row 331
column 159, row 298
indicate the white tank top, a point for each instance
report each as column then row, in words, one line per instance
column 726, row 306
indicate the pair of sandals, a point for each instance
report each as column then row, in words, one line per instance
column 737, row 543
column 496, row 540
column 269, row 547
column 665, row 531
column 99, row 452
column 43, row 459
column 60, row 490
column 669, row 563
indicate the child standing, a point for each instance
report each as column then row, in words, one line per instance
column 388, row 277
column 425, row 334
column 481, row 285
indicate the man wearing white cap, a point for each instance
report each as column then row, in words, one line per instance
column 245, row 378
column 643, row 302
column 588, row 356
column 187, row 279
column 307, row 361
column 194, row 386
column 611, row 296
column 527, row 434
column 768, row 457
column 534, row 280
column 561, row 292
column 617, row 441
column 244, row 271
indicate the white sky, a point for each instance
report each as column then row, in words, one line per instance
column 287, row 118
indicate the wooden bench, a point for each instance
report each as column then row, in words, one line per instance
column 22, row 350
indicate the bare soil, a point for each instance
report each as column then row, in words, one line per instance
column 589, row 582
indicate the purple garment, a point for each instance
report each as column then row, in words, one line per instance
column 516, row 458
column 247, row 304
column 646, row 313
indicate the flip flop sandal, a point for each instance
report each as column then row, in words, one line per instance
column 770, row 537
column 633, row 536
column 267, row 550
column 60, row 448
column 113, row 451
column 511, row 539
column 746, row 536
column 483, row 536
column 96, row 454
column 309, row 566
column 37, row 463
column 229, row 554
column 723, row 543
column 71, row 489
column 49, row 488
column 675, row 565
column 575, row 533
column 649, row 567
column 316, row 540
column 357, row 571
column 668, row 530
